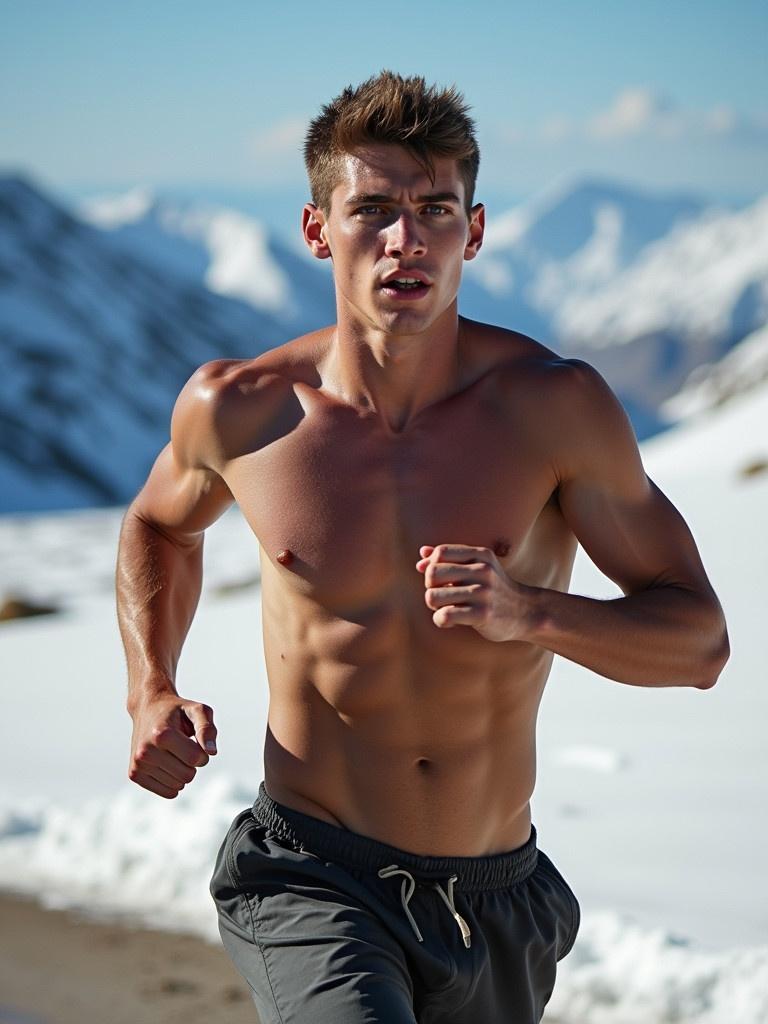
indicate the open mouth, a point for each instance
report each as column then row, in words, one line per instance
column 411, row 287
column 405, row 283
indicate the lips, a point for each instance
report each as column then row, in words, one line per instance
column 406, row 284
column 413, row 277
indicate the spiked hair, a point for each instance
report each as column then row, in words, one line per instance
column 426, row 120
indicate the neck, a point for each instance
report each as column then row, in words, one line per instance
column 395, row 376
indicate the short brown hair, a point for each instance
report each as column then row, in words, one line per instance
column 426, row 120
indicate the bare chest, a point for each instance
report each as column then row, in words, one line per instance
column 352, row 504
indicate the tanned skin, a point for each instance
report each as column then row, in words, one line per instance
column 418, row 484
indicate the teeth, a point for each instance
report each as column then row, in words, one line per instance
column 406, row 282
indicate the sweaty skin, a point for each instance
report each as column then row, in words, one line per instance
column 418, row 484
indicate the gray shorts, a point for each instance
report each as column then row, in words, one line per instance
column 331, row 927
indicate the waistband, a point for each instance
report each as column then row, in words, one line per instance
column 302, row 831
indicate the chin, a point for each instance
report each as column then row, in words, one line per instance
column 405, row 325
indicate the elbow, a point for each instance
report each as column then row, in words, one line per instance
column 716, row 662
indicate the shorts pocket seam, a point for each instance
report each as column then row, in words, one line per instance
column 262, row 949
column 234, row 874
column 573, row 906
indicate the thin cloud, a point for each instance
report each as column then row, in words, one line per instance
column 636, row 111
column 556, row 129
column 274, row 154
column 282, row 139
column 639, row 111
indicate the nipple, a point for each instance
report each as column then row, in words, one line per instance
column 285, row 557
column 501, row 548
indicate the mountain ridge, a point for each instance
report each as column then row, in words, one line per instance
column 105, row 311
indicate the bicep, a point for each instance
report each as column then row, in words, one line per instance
column 181, row 500
column 184, row 494
column 637, row 540
column 627, row 526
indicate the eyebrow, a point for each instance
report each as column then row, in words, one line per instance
column 433, row 197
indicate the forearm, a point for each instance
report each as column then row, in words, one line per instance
column 663, row 636
column 158, row 587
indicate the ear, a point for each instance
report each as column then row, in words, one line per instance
column 314, row 229
column 476, row 231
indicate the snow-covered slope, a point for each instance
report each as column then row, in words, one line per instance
column 226, row 251
column 651, row 802
column 100, row 325
column 744, row 368
column 95, row 346
column 706, row 282
column 646, row 287
column 573, row 237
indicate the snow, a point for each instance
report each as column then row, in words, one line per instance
column 745, row 366
column 689, row 282
column 651, row 802
column 103, row 321
column 228, row 250
column 109, row 211
column 621, row 974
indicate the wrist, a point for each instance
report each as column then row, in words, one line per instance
column 534, row 617
column 149, row 689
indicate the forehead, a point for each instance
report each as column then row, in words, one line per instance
column 384, row 169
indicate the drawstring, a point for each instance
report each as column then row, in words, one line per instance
column 393, row 869
column 448, row 900
column 405, row 898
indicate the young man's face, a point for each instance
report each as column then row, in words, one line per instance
column 388, row 222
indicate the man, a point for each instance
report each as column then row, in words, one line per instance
column 418, row 484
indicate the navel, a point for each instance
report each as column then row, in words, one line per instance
column 285, row 556
column 423, row 764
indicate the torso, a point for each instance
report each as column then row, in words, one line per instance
column 379, row 721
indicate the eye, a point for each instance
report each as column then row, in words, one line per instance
column 435, row 209
column 370, row 210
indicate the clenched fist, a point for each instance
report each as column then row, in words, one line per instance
column 172, row 738
column 467, row 586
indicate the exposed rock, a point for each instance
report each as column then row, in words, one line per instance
column 20, row 608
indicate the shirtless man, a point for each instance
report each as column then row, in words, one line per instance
column 418, row 484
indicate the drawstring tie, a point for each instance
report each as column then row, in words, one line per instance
column 407, row 890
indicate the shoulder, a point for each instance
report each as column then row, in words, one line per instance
column 577, row 417
column 222, row 383
column 524, row 367
column 222, row 407
column 520, row 364
column 594, row 437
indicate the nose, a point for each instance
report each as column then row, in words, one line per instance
column 404, row 237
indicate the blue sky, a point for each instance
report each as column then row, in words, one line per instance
column 669, row 94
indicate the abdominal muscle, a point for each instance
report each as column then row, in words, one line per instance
column 420, row 738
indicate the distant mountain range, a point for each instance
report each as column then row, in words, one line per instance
column 107, row 309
